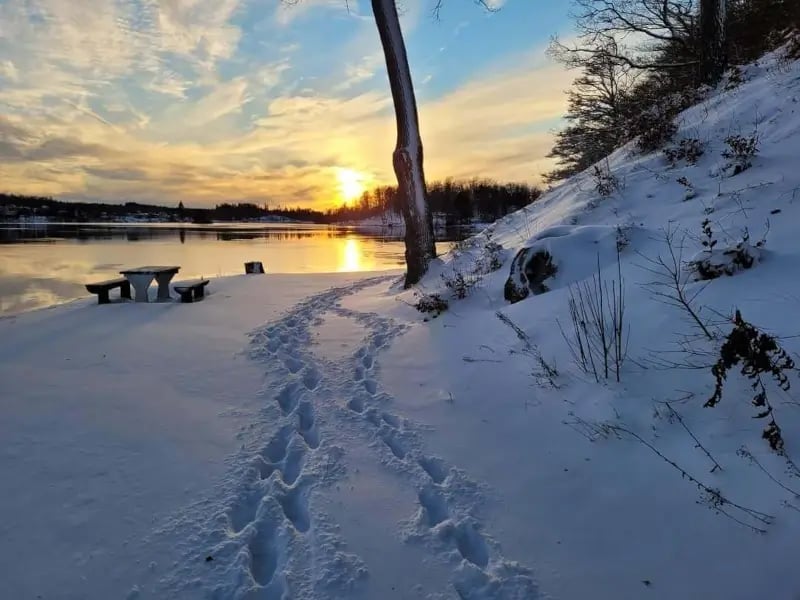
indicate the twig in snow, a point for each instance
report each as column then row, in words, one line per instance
column 788, row 504
column 546, row 371
column 714, row 496
column 675, row 414
column 671, row 285
column 745, row 453
column 469, row 359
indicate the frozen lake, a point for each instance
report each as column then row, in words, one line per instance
column 46, row 264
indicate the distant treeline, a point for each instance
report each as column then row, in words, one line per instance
column 14, row 205
column 460, row 202
column 57, row 210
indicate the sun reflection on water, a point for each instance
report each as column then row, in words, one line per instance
column 351, row 256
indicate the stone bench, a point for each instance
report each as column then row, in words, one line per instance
column 191, row 290
column 101, row 288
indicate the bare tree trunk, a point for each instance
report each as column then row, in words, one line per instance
column 407, row 158
column 713, row 59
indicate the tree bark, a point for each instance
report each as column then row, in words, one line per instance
column 713, row 55
column 407, row 158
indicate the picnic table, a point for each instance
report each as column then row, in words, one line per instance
column 142, row 277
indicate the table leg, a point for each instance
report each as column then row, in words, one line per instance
column 163, row 280
column 140, row 283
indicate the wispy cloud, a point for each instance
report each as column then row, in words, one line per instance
column 214, row 100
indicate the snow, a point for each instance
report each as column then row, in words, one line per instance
column 315, row 437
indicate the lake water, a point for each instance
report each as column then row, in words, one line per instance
column 46, row 264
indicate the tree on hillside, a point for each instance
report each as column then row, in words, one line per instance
column 407, row 157
column 713, row 54
column 595, row 113
column 666, row 32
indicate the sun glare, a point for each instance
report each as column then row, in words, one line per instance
column 351, row 256
column 351, row 184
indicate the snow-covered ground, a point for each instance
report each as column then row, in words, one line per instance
column 319, row 438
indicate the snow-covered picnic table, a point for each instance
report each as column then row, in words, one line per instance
column 142, row 277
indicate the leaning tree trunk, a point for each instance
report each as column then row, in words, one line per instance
column 713, row 56
column 407, row 158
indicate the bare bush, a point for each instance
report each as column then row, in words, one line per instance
column 432, row 304
column 736, row 77
column 656, row 126
column 717, row 262
column 492, row 259
column 687, row 185
column 740, row 152
column 671, row 285
column 604, row 181
column 598, row 338
column 688, row 150
column 459, row 284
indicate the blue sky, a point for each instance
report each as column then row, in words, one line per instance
column 205, row 101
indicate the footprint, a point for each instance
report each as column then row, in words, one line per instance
column 434, row 506
column 243, row 511
column 275, row 450
column 295, row 506
column 356, row 405
column 358, row 373
column 273, row 344
column 293, row 364
column 311, row 378
column 293, row 465
column 306, row 425
column 390, row 438
column 367, row 361
column 361, row 352
column 390, row 419
column 264, row 553
column 379, row 340
column 265, row 468
column 288, row 396
column 471, row 545
column 371, row 386
column 434, row 467
column 373, row 416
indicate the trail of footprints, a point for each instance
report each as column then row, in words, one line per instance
column 281, row 495
column 264, row 514
column 389, row 428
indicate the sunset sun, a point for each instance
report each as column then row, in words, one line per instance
column 351, row 184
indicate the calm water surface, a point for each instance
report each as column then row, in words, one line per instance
column 42, row 265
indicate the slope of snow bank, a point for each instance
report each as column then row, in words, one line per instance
column 606, row 516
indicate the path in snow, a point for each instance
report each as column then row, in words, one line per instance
column 277, row 537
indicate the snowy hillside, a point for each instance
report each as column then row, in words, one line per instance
column 363, row 449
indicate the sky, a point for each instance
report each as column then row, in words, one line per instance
column 210, row 101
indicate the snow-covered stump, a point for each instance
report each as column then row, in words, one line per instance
column 254, row 267
column 529, row 269
column 407, row 158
